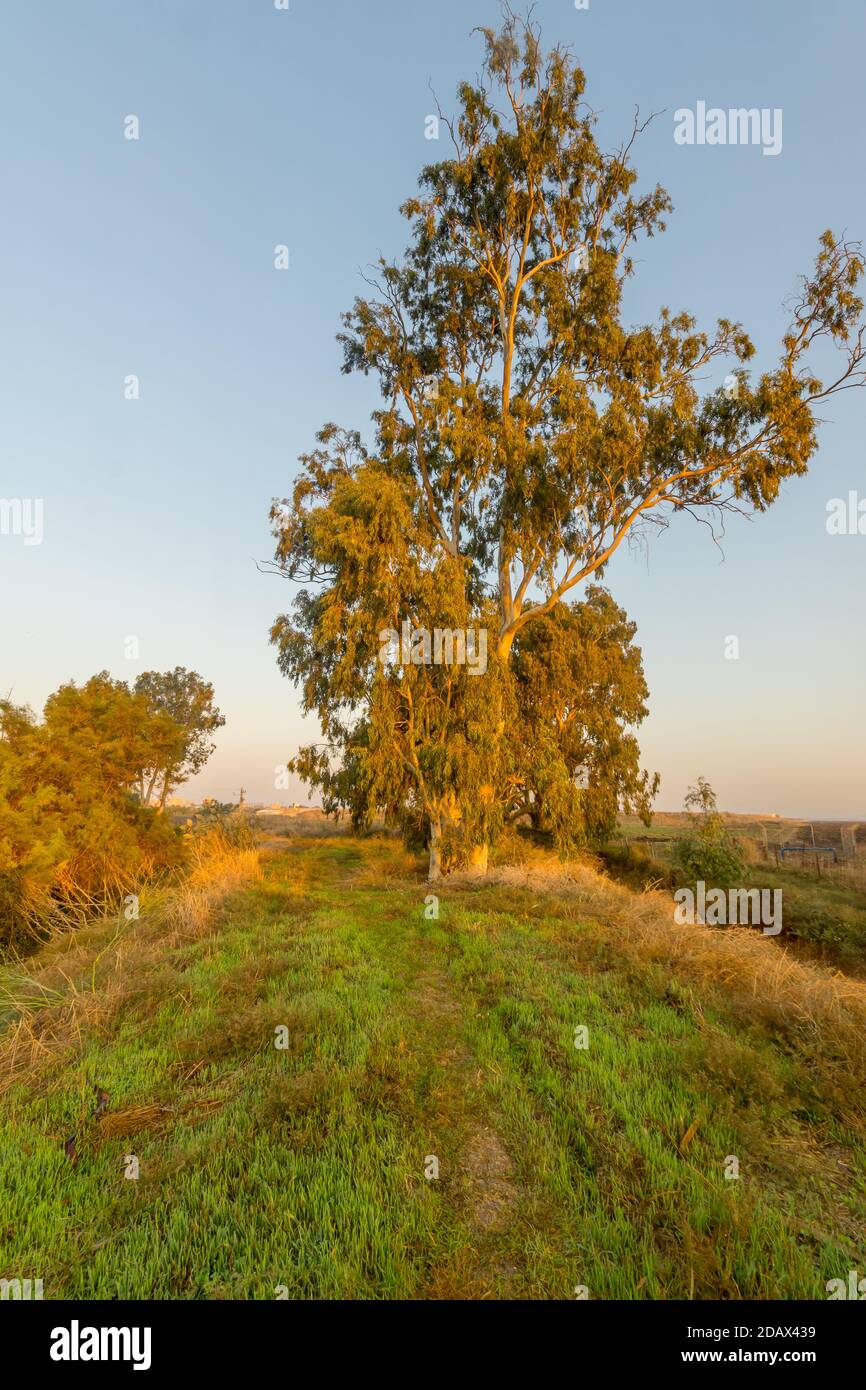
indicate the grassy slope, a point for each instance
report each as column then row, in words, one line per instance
column 823, row 913
column 408, row 1038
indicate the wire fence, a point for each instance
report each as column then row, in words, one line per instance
column 840, row 862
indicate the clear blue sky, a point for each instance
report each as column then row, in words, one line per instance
column 306, row 127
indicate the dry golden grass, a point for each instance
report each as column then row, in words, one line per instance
column 82, row 978
column 825, row 1009
column 151, row 1119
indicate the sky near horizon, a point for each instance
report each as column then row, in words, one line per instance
column 306, row 127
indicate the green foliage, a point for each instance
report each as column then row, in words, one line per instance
column 701, row 799
column 224, row 824
column 554, row 430
column 211, row 812
column 189, row 702
column 417, row 740
column 709, row 853
column 580, row 689
column 75, row 835
column 715, row 862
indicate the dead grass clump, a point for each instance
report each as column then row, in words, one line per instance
column 154, row 1118
column 135, row 1119
column 83, row 980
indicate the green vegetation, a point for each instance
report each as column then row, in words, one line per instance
column 76, row 830
column 708, row 852
column 188, row 701
column 580, row 690
column 410, row 1037
column 319, row 1080
column 577, row 692
column 823, row 911
column 828, row 918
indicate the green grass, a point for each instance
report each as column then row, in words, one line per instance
column 409, row 1037
column 826, row 915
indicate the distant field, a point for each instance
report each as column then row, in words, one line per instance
column 313, row 822
column 778, row 829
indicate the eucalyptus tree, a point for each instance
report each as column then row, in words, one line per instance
column 525, row 430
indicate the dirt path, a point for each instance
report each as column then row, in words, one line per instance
column 477, row 1175
column 475, row 1167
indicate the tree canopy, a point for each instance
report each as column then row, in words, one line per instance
column 75, row 831
column 189, row 702
column 581, row 693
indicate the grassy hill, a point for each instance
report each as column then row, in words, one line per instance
column 824, row 903
column 412, row 1038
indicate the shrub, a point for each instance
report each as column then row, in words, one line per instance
column 223, row 825
column 73, row 838
column 709, row 854
column 714, row 861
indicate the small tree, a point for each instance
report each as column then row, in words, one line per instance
column 410, row 735
column 700, row 800
column 73, row 836
column 709, row 852
column 189, row 702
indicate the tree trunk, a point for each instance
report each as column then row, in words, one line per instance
column 165, row 787
column 434, row 871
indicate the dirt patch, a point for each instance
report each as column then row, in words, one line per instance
column 486, row 1185
column 432, row 997
column 492, row 1193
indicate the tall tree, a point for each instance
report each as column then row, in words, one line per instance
column 407, row 734
column 527, row 430
column 419, row 753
